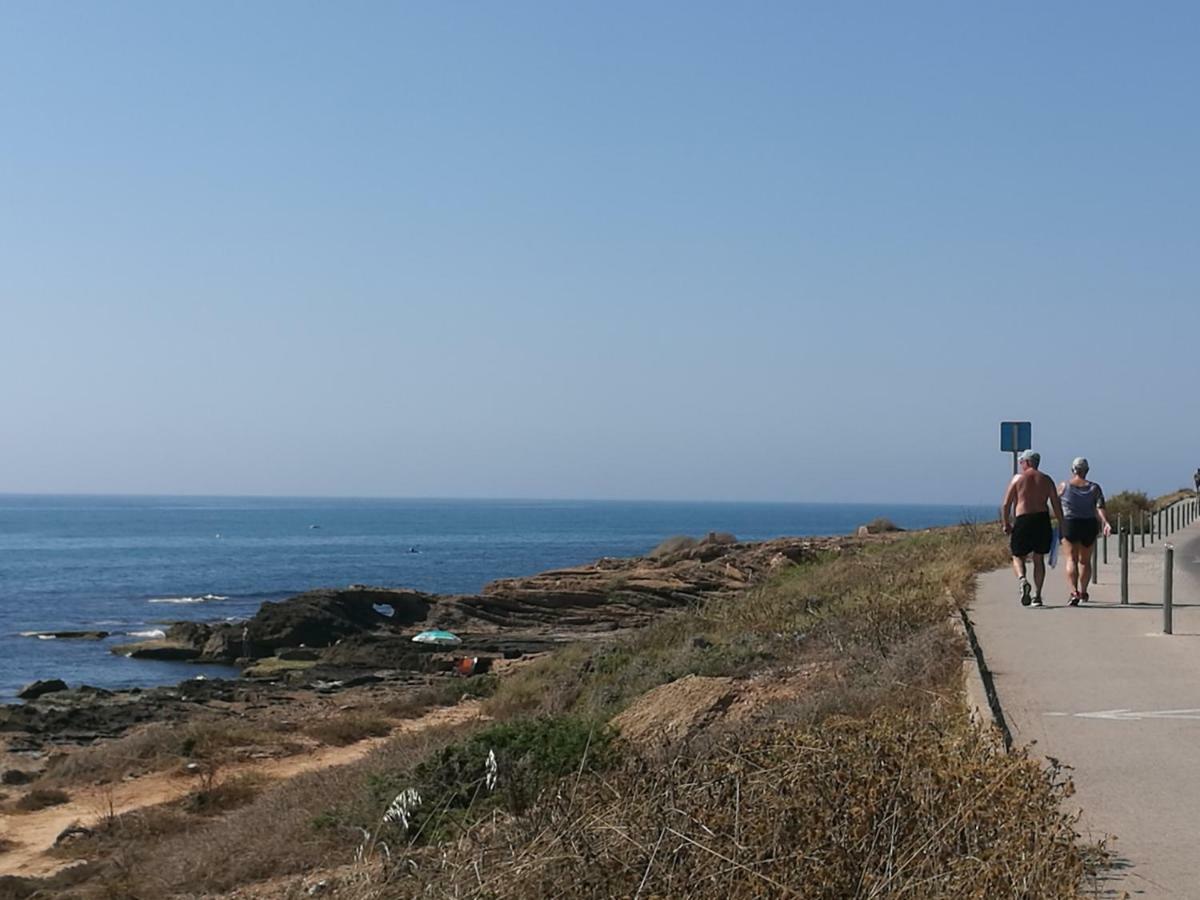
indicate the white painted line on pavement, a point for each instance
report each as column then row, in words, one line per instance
column 1128, row 715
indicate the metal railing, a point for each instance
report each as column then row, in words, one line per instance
column 1158, row 524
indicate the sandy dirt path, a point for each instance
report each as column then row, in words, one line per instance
column 34, row 833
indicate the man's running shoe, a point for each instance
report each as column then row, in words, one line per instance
column 1075, row 598
column 1084, row 596
column 1037, row 601
column 1026, row 592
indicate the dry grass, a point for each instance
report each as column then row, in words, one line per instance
column 283, row 829
column 873, row 784
column 1174, row 497
column 41, row 798
column 895, row 805
column 858, row 609
column 219, row 796
column 161, row 747
column 348, row 729
column 444, row 692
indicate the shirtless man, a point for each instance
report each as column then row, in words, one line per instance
column 1029, row 492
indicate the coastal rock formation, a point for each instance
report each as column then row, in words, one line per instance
column 327, row 640
column 622, row 593
column 158, row 649
column 363, row 626
column 40, row 688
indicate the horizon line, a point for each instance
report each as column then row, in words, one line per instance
column 465, row 499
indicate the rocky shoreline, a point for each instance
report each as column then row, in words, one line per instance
column 333, row 640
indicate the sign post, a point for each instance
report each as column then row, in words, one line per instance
column 1015, row 437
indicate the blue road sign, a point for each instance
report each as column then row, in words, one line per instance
column 1015, row 436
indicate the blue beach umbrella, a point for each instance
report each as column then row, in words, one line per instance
column 445, row 638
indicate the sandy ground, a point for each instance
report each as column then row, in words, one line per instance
column 34, row 833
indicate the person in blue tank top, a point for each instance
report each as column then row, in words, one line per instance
column 1083, row 516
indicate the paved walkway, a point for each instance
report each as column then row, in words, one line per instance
column 1100, row 688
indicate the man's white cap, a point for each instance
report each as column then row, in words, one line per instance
column 1030, row 456
column 1079, row 465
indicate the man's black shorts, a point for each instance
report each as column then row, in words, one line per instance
column 1031, row 534
column 1081, row 531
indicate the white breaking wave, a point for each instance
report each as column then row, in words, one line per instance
column 152, row 633
column 204, row 598
column 40, row 635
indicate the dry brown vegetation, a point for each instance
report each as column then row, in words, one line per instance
column 41, row 798
column 888, row 806
column 348, row 729
column 870, row 782
column 160, row 747
column 217, row 796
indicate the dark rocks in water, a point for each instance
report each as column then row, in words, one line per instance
column 192, row 633
column 345, row 630
column 41, row 688
column 158, row 649
column 72, row 635
column 323, row 617
column 224, row 644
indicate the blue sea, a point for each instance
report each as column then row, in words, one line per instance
column 127, row 565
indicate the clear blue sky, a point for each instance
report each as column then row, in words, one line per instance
column 785, row 251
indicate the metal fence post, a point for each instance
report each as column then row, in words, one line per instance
column 1095, row 567
column 1142, row 522
column 1124, row 567
column 1104, row 548
column 1168, row 587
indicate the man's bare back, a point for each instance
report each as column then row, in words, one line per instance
column 1031, row 491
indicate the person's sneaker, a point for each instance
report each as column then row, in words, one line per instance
column 1084, row 597
column 1026, row 592
column 1075, row 598
column 1037, row 601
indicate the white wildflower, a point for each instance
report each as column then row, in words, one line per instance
column 491, row 770
column 406, row 801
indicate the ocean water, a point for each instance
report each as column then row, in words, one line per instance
column 127, row 565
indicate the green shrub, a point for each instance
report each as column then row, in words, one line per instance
column 882, row 525
column 1132, row 507
column 528, row 754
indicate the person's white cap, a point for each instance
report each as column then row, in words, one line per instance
column 1030, row 456
column 1079, row 465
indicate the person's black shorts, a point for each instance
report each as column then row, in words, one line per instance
column 1031, row 534
column 1081, row 531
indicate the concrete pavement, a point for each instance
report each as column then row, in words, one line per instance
column 1101, row 689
